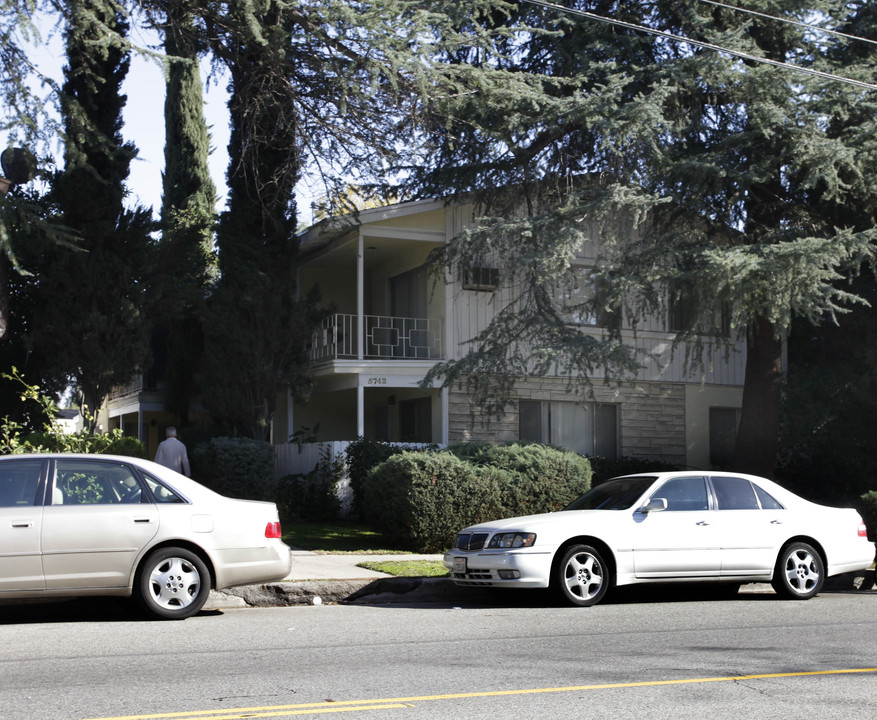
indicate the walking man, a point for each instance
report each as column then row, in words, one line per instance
column 172, row 453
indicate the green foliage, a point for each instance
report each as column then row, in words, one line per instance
column 362, row 455
column 312, row 496
column 422, row 499
column 111, row 443
column 18, row 438
column 606, row 468
column 236, row 467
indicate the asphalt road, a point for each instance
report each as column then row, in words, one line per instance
column 519, row 657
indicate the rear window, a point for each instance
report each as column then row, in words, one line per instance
column 618, row 494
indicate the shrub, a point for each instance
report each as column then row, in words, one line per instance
column 537, row 478
column 606, row 468
column 362, row 455
column 312, row 496
column 421, row 500
column 236, row 467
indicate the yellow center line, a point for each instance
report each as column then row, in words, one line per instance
column 397, row 703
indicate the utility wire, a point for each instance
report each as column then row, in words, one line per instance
column 808, row 26
column 699, row 43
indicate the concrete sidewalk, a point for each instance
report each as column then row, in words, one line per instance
column 308, row 565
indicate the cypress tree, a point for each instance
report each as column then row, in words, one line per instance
column 91, row 319
column 186, row 258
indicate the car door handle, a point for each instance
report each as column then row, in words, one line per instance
column 22, row 523
column 702, row 523
column 776, row 522
column 143, row 520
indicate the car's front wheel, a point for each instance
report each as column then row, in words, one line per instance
column 581, row 576
column 173, row 584
column 799, row 572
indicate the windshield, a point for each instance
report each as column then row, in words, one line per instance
column 618, row 494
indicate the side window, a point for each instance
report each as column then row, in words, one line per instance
column 684, row 493
column 83, row 482
column 160, row 493
column 18, row 482
column 733, row 493
column 768, row 502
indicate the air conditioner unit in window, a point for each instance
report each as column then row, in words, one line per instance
column 479, row 277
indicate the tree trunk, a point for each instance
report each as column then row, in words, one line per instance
column 758, row 435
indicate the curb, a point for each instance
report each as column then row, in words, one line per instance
column 396, row 590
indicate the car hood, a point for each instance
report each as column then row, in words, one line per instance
column 532, row 523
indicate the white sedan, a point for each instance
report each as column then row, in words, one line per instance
column 667, row 527
column 89, row 525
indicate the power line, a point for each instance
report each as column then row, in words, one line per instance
column 700, row 43
column 808, row 26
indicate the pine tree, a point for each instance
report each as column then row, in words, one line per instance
column 91, row 319
column 715, row 158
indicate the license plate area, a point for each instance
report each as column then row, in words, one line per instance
column 460, row 565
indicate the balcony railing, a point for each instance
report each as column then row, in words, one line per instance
column 385, row 338
column 135, row 387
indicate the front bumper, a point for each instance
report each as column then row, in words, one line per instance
column 529, row 568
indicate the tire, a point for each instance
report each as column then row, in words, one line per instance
column 173, row 584
column 581, row 576
column 799, row 572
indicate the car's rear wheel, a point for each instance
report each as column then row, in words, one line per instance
column 799, row 572
column 174, row 583
column 581, row 576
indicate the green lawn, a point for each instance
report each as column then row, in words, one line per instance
column 337, row 536
column 408, row 568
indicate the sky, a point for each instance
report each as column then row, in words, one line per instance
column 144, row 117
column 144, row 120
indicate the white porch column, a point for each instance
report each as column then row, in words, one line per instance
column 445, row 415
column 360, row 301
column 360, row 410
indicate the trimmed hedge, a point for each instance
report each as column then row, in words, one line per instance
column 236, row 467
column 420, row 500
column 112, row 443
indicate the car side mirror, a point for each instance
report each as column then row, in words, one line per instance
column 654, row 505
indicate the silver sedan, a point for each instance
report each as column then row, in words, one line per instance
column 89, row 525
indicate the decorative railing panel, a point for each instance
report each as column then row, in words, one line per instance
column 385, row 337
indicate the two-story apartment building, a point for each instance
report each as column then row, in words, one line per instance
column 394, row 319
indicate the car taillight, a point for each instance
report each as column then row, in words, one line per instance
column 863, row 531
column 272, row 530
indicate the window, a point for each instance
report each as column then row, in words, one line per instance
column 586, row 429
column 583, row 299
column 684, row 493
column 683, row 305
column 723, row 435
column 82, row 482
column 768, row 502
column 160, row 493
column 480, row 277
column 18, row 482
column 733, row 493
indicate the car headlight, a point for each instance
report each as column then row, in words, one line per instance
column 512, row 540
